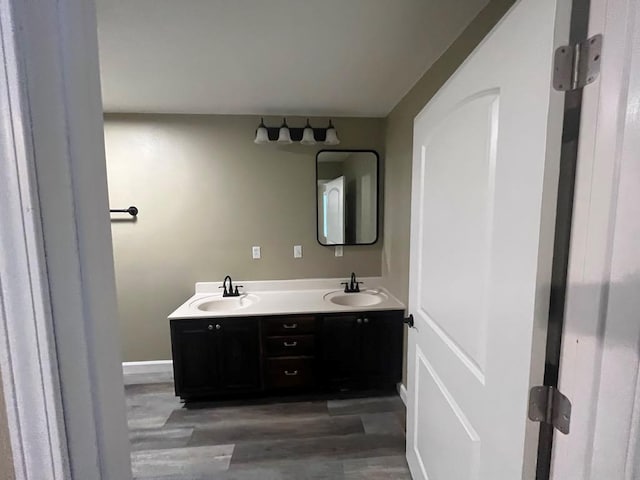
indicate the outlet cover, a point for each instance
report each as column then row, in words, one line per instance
column 339, row 251
column 255, row 252
column 297, row 251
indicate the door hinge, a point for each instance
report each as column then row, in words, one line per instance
column 548, row 405
column 576, row 66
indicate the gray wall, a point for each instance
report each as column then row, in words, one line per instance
column 399, row 143
column 6, row 460
column 206, row 195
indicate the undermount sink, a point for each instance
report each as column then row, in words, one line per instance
column 361, row 299
column 226, row 304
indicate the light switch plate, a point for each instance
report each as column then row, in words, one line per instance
column 297, row 251
column 339, row 251
column 255, row 252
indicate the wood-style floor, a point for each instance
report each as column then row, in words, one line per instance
column 350, row 439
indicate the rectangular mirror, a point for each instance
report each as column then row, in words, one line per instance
column 347, row 197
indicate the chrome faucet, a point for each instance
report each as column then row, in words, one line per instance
column 352, row 286
column 229, row 292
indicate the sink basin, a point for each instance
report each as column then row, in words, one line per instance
column 362, row 299
column 226, row 304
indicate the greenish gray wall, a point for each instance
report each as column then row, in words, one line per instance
column 206, row 195
column 399, row 144
column 6, row 459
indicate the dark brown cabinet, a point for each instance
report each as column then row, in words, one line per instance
column 290, row 360
column 195, row 361
column 341, row 351
column 362, row 351
column 238, row 344
column 249, row 355
column 215, row 356
column 381, row 341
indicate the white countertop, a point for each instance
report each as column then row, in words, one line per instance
column 282, row 297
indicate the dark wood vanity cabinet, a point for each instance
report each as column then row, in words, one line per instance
column 293, row 353
column 215, row 356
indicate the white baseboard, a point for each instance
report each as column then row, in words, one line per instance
column 154, row 366
column 402, row 391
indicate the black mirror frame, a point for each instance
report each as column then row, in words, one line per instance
column 377, row 198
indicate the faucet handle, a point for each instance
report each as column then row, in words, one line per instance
column 236, row 290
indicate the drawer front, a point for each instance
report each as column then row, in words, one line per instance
column 290, row 325
column 290, row 346
column 289, row 373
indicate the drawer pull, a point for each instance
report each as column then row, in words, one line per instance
column 290, row 344
column 291, row 374
column 289, row 326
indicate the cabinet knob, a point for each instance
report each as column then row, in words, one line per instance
column 218, row 326
column 366, row 320
column 359, row 320
column 291, row 374
column 290, row 344
column 289, row 326
column 210, row 327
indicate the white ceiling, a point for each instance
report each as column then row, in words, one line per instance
column 293, row 57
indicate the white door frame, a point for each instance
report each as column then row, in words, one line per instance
column 599, row 359
column 59, row 351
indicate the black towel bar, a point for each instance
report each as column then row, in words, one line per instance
column 133, row 211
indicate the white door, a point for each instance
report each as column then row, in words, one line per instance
column 485, row 176
column 334, row 211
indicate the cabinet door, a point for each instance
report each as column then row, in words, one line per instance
column 238, row 345
column 341, row 351
column 194, row 357
column 381, row 357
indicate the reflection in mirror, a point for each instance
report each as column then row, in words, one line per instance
column 347, row 193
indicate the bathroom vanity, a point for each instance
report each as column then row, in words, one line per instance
column 286, row 337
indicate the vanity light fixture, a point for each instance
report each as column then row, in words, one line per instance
column 306, row 135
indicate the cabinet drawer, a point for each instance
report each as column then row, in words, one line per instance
column 289, row 373
column 290, row 346
column 289, row 325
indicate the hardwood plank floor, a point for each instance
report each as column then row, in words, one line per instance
column 346, row 439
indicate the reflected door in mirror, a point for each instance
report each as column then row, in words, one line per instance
column 347, row 197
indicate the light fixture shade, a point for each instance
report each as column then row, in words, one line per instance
column 332, row 135
column 284, row 136
column 262, row 134
column 308, row 138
